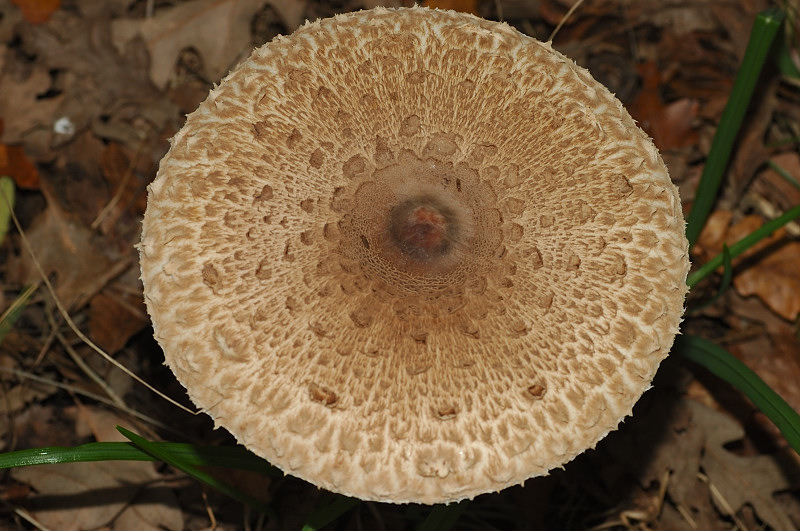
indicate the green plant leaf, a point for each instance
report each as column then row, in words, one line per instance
column 762, row 35
column 184, row 466
column 723, row 364
column 743, row 245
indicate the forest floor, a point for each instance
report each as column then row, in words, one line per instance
column 91, row 92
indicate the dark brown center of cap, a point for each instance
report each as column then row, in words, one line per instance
column 422, row 228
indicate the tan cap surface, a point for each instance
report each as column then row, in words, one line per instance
column 413, row 255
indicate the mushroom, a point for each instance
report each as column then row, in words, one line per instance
column 411, row 255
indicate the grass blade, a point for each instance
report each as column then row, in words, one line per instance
column 13, row 312
column 743, row 245
column 327, row 512
column 763, row 33
column 723, row 364
column 200, row 475
column 218, row 456
column 443, row 517
column 6, row 204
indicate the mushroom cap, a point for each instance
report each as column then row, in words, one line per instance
column 412, row 255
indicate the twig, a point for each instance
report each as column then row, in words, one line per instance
column 563, row 21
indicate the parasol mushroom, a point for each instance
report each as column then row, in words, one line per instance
column 411, row 255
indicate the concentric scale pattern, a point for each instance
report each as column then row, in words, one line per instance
column 413, row 255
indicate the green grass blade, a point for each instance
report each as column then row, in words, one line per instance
column 761, row 37
column 723, row 364
column 6, row 204
column 183, row 465
column 743, row 245
column 217, row 456
column 12, row 313
column 328, row 511
column 443, row 517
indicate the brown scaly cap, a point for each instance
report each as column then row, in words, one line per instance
column 413, row 256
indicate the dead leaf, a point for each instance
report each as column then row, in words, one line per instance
column 14, row 163
column 774, row 279
column 64, row 248
column 693, row 442
column 670, row 125
column 92, row 495
column 713, row 235
column 37, row 11
column 155, row 508
column 774, row 187
column 743, row 480
column 20, row 395
column 82, row 496
column 114, row 319
column 218, row 29
column 96, row 422
column 98, row 88
column 20, row 106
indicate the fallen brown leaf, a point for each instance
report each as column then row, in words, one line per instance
column 742, row 480
column 78, row 496
column 20, row 106
column 65, row 250
column 774, row 279
column 114, row 319
column 670, row 125
column 713, row 235
column 15, row 164
column 37, row 11
column 774, row 187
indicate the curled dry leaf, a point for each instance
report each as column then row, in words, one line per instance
column 22, row 110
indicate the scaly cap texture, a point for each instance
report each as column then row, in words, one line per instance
column 413, row 256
